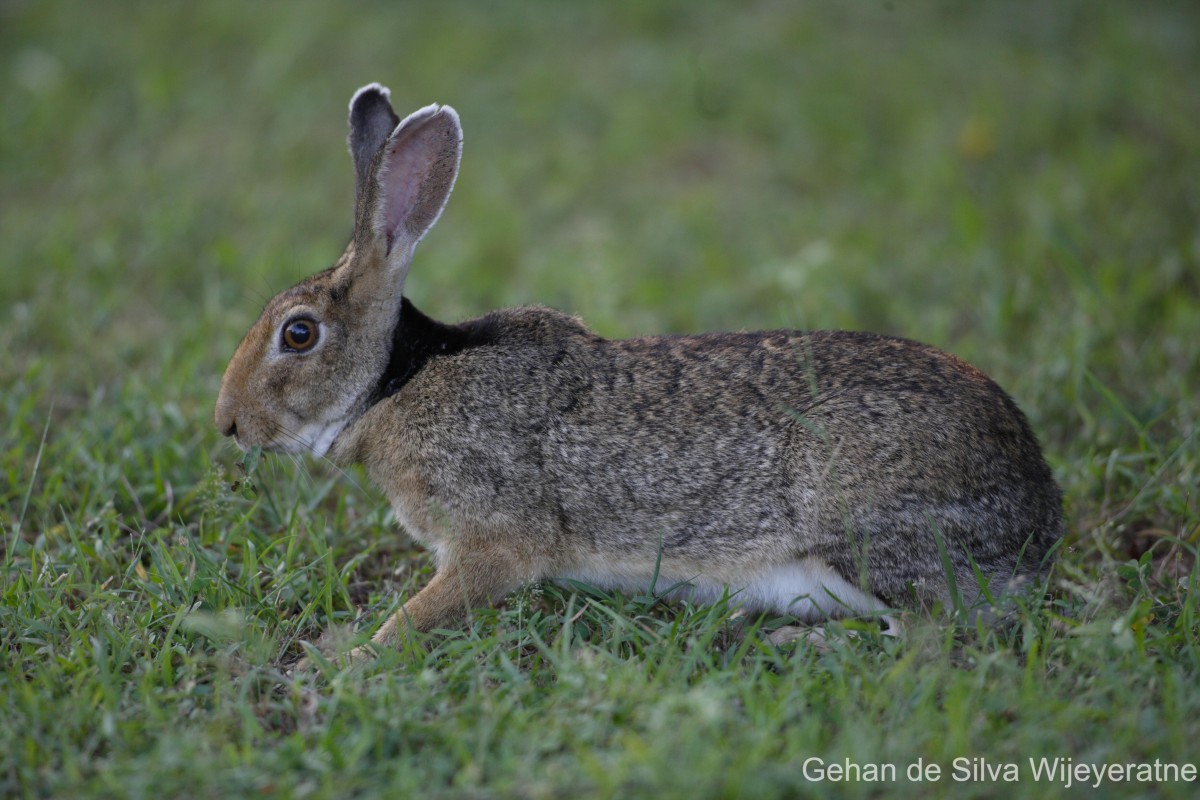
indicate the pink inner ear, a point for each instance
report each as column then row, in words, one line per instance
column 405, row 167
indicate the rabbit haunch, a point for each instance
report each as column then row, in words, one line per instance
column 818, row 473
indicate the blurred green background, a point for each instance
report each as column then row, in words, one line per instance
column 1016, row 182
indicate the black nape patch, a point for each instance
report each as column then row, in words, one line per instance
column 416, row 339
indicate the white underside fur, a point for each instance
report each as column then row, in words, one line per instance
column 808, row 589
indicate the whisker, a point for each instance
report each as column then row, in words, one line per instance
column 307, row 445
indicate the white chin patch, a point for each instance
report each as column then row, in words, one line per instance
column 318, row 437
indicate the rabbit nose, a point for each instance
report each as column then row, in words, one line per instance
column 225, row 416
column 225, row 419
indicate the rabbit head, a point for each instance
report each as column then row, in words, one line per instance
column 311, row 364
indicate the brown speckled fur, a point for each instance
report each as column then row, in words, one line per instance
column 522, row 446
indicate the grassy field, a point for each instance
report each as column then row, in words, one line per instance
column 1017, row 183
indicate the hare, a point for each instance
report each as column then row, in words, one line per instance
column 818, row 474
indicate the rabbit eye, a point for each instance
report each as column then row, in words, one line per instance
column 300, row 335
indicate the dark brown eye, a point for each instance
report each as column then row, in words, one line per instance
column 300, row 335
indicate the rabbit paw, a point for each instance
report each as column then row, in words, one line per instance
column 820, row 640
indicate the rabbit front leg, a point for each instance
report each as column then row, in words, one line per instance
column 465, row 580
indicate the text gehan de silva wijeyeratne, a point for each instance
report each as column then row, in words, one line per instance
column 1060, row 770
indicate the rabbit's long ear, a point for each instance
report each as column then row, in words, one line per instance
column 405, row 185
column 372, row 120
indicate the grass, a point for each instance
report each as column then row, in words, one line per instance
column 1015, row 183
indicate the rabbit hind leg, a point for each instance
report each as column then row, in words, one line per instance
column 814, row 592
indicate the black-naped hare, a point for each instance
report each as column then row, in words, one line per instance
column 813, row 473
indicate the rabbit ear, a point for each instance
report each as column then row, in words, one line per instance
column 410, row 181
column 371, row 122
